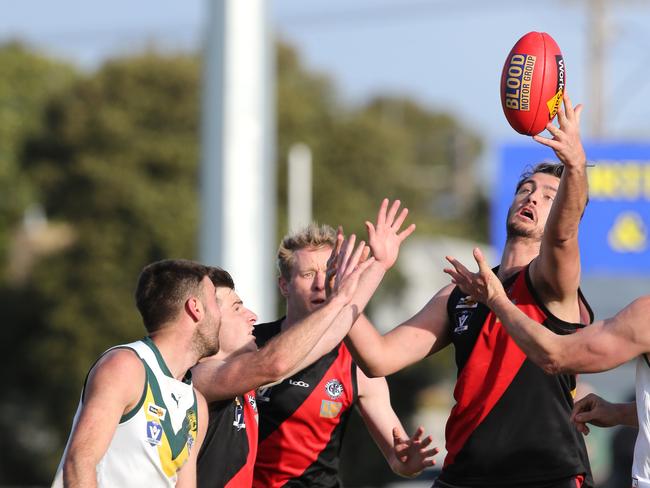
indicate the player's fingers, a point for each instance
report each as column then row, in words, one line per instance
column 568, row 104
column 381, row 214
column 370, row 229
column 406, row 232
column 547, row 142
column 578, row 112
column 426, row 441
column 460, row 267
column 392, row 212
column 400, row 219
column 365, row 255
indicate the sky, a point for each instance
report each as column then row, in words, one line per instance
column 447, row 54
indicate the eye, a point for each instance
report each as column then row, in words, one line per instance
column 308, row 274
column 549, row 197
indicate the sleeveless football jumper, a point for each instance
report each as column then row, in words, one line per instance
column 152, row 441
column 510, row 425
column 302, row 420
column 227, row 456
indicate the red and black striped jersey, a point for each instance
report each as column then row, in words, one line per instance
column 302, row 420
column 510, row 425
column 227, row 455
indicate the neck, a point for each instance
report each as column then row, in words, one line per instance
column 517, row 253
column 176, row 350
column 291, row 319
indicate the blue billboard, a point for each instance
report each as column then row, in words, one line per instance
column 614, row 232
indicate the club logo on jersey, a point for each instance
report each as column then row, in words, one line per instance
column 252, row 402
column 329, row 409
column 238, row 422
column 462, row 321
column 334, row 389
column 156, row 411
column 154, row 433
column 299, row 383
column 466, row 302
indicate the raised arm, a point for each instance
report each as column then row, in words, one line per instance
column 421, row 335
column 603, row 345
column 406, row 456
column 556, row 271
column 219, row 380
column 106, row 398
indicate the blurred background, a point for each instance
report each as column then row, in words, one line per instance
column 112, row 123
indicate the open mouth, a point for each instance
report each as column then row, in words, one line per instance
column 318, row 301
column 527, row 213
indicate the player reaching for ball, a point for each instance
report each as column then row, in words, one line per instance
column 511, row 424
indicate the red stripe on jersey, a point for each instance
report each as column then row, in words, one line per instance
column 244, row 477
column 298, row 441
column 491, row 367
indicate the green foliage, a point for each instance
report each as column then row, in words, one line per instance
column 28, row 80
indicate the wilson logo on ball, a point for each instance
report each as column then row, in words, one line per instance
column 532, row 83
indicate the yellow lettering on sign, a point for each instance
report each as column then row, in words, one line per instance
column 628, row 181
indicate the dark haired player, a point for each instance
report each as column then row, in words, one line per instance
column 510, row 426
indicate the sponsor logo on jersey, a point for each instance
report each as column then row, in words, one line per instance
column 176, row 397
column 462, row 321
column 329, row 409
column 263, row 394
column 238, row 422
column 154, row 433
column 191, row 420
column 299, row 383
column 334, row 388
column 466, row 302
column 156, row 411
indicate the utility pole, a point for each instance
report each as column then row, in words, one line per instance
column 597, row 30
column 237, row 226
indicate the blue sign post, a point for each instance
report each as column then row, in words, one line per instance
column 615, row 230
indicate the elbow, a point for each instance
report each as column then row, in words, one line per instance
column 553, row 364
column 277, row 367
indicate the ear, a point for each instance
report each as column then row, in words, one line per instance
column 284, row 286
column 194, row 308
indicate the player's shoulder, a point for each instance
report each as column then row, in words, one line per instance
column 119, row 360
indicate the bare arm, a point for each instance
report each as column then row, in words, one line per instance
column 406, row 457
column 555, row 273
column 594, row 410
column 603, row 345
column 421, row 335
column 106, row 398
column 219, row 380
column 427, row 332
column 187, row 474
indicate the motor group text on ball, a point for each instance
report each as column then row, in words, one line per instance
column 518, row 82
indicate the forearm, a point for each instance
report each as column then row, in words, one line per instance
column 569, row 204
column 79, row 473
column 626, row 414
column 542, row 346
column 287, row 350
column 368, row 284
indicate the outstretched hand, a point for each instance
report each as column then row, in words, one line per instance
column 566, row 138
column 411, row 454
column 483, row 286
column 384, row 237
column 350, row 265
